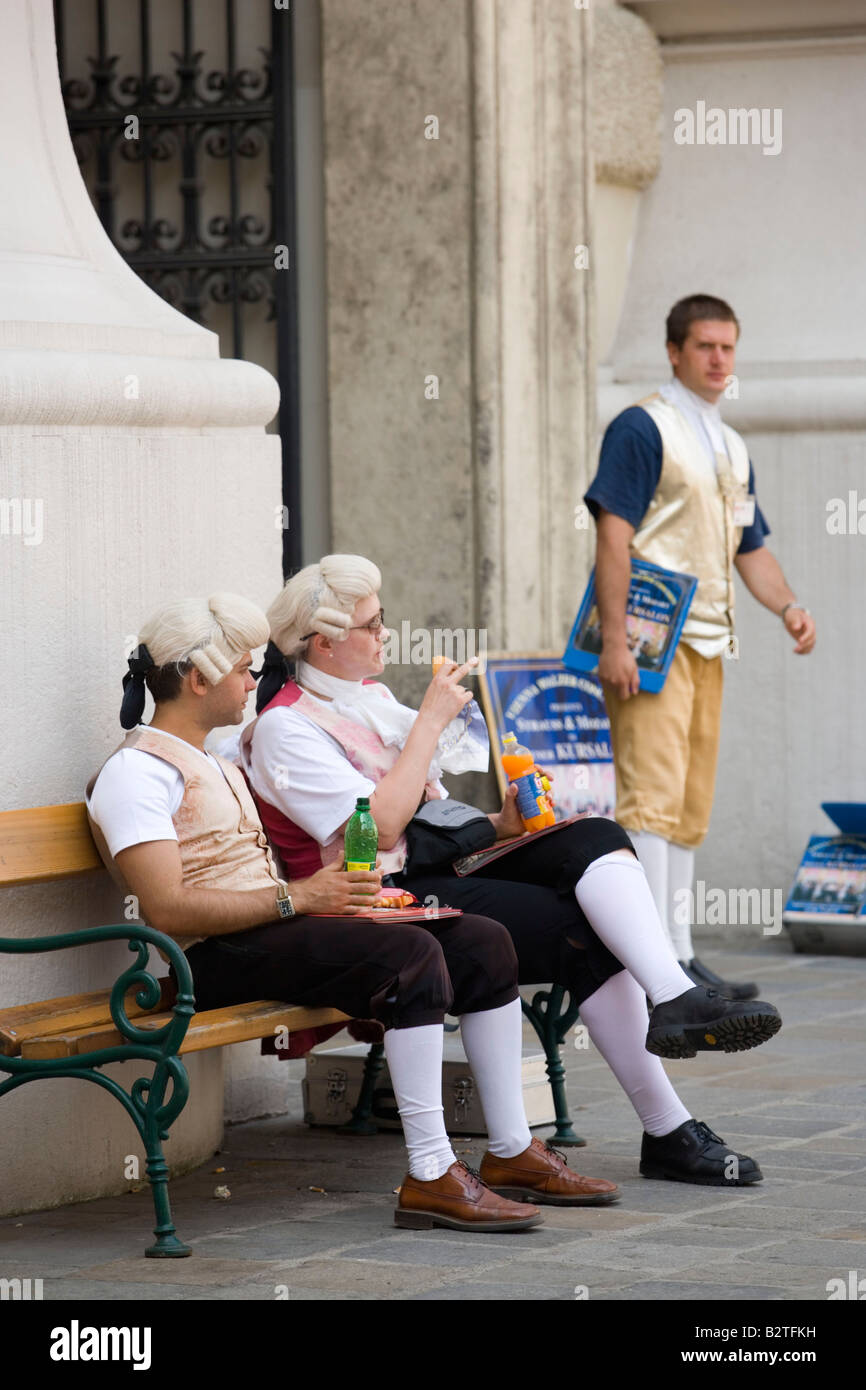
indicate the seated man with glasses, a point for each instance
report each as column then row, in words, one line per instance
column 576, row 903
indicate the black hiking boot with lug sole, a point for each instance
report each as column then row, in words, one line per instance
column 703, row 1020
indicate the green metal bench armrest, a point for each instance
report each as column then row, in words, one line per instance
column 145, row 1101
column 165, row 1040
column 158, row 1046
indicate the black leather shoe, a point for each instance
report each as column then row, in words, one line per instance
column 693, row 1153
column 697, row 971
column 702, row 1020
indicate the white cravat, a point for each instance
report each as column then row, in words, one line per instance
column 704, row 417
column 462, row 746
column 361, row 703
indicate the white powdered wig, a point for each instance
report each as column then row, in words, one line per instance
column 321, row 598
column 211, row 634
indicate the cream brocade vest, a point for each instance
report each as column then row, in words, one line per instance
column 689, row 524
column 221, row 839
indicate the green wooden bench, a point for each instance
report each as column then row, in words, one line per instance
column 142, row 1018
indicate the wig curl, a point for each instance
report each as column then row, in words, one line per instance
column 321, row 598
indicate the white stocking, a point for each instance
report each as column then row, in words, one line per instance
column 615, row 896
column 652, row 851
column 414, row 1057
column 681, row 872
column 616, row 1019
column 493, row 1040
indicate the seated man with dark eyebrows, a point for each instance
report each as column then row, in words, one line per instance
column 178, row 827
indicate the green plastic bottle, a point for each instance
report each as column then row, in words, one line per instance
column 362, row 837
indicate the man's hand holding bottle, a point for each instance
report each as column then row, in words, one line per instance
column 334, row 893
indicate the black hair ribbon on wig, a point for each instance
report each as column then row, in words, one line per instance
column 132, row 708
column 272, row 677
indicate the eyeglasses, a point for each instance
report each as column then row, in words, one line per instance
column 373, row 625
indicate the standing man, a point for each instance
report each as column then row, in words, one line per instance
column 675, row 486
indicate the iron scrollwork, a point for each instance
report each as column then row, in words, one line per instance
column 186, row 117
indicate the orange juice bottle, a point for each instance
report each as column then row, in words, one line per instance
column 533, row 803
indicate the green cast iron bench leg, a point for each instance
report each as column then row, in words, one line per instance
column 552, row 1023
column 362, row 1121
column 167, row 1245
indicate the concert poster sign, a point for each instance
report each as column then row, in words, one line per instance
column 559, row 715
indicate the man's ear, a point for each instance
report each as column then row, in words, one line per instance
column 320, row 643
column 673, row 354
column 197, row 683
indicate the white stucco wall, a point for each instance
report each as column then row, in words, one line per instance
column 149, row 459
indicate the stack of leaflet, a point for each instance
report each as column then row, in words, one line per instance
column 656, row 609
column 826, row 908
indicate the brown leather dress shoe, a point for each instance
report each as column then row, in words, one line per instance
column 542, row 1175
column 461, row 1201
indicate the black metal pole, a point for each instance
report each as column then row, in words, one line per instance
column 286, row 280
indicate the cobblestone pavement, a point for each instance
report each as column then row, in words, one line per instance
column 796, row 1104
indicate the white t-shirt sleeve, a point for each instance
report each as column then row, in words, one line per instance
column 134, row 799
column 297, row 767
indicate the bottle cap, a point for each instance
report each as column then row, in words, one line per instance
column 363, row 803
column 509, row 738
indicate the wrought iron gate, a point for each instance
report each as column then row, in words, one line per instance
column 189, row 160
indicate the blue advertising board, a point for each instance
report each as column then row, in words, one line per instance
column 559, row 715
column 831, row 877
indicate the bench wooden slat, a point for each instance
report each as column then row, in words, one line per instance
column 45, row 843
column 75, row 1011
column 213, row 1028
column 71, row 1043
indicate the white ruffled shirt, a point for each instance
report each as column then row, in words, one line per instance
column 320, row 786
column 457, row 750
